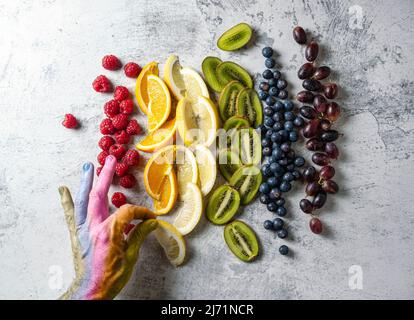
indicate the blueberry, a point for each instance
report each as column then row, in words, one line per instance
column 289, row 116
column 270, row 63
column 266, row 170
column 298, row 122
column 273, row 91
column 288, row 105
column 288, row 162
column 262, row 95
column 275, row 194
column 277, row 224
column 274, row 167
column 268, row 225
column 267, row 74
column 272, row 207
column 270, row 101
column 283, row 250
column 289, row 125
column 277, row 153
column 268, row 111
column 290, row 167
column 283, row 162
column 277, row 74
column 272, row 181
column 267, row 52
column 269, row 133
column 264, row 86
column 272, row 82
column 278, row 116
column 285, row 147
column 264, row 188
column 280, row 202
column 284, row 134
column 283, row 94
column 281, row 211
column 266, row 142
column 285, row 186
column 267, row 152
column 269, row 122
column 293, row 136
column 279, row 106
column 277, row 126
column 299, row 161
column 288, row 176
column 281, row 84
column 264, row 198
column 275, row 145
column 282, row 233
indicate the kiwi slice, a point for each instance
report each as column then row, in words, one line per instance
column 235, row 38
column 229, row 162
column 249, row 106
column 223, row 205
column 241, row 240
column 209, row 67
column 236, row 122
column 246, row 180
column 228, row 99
column 250, row 146
column 228, row 71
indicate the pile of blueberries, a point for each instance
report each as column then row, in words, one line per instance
column 279, row 130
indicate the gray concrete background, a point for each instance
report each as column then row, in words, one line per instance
column 50, row 52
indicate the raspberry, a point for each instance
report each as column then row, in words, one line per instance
column 132, row 70
column 117, row 150
column 107, row 126
column 110, row 62
column 111, row 108
column 122, row 137
column 131, row 158
column 133, row 127
column 118, row 199
column 101, row 157
column 126, row 106
column 120, row 121
column 70, row 121
column 98, row 171
column 105, row 142
column 128, row 181
column 121, row 93
column 121, row 169
column 102, row 84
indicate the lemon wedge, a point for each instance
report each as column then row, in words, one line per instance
column 171, row 241
column 189, row 209
column 194, row 84
column 207, row 169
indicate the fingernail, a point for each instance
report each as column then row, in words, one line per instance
column 86, row 166
column 109, row 159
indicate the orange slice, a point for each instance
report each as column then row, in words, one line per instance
column 159, row 106
column 141, row 86
column 168, row 194
column 165, row 135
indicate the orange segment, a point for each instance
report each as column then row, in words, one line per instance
column 165, row 135
column 159, row 106
column 141, row 86
column 168, row 194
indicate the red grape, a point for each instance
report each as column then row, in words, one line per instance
column 310, row 174
column 305, row 96
column 321, row 159
column 299, row 35
column 311, row 85
column 319, row 200
column 315, row 144
column 327, row 172
column 318, row 100
column 308, row 112
column 316, row 225
column 331, row 150
column 333, row 111
column 311, row 51
column 306, row 206
column 330, row 135
column 325, row 125
column 311, row 129
column 306, row 71
column 322, row 73
column 330, row 186
column 312, row 188
column 330, row 90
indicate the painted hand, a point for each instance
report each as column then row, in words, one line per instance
column 103, row 255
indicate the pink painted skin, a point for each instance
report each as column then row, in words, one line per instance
column 103, row 255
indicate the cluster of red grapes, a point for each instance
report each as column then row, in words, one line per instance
column 320, row 113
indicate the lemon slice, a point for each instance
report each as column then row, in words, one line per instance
column 173, row 77
column 189, row 209
column 171, row 241
column 207, row 168
column 197, row 121
column 194, row 84
column 186, row 167
column 159, row 106
column 141, row 85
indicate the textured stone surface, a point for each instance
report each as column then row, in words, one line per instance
column 50, row 53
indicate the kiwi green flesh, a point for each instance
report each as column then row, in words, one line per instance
column 229, row 162
column 209, row 67
column 223, row 205
column 250, row 146
column 246, row 180
column 250, row 107
column 235, row 38
column 228, row 99
column 236, row 122
column 228, row 71
column 241, row 240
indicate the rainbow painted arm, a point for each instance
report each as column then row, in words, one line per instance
column 103, row 255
